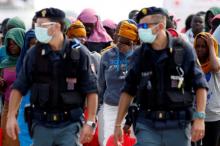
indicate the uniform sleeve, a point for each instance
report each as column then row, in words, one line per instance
column 101, row 79
column 133, row 77
column 198, row 77
column 24, row 79
column 87, row 78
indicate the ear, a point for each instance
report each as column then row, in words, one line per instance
column 58, row 26
column 161, row 26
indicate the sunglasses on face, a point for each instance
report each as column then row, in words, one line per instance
column 128, row 43
column 145, row 25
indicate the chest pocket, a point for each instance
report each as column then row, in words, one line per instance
column 40, row 94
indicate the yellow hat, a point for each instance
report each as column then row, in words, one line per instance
column 77, row 29
column 128, row 30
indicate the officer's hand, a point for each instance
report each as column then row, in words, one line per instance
column 12, row 127
column 198, row 129
column 118, row 136
column 86, row 134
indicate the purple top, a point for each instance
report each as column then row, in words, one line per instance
column 9, row 75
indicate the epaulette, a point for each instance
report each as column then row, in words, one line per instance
column 106, row 49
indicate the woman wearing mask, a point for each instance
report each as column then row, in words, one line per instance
column 113, row 68
column 14, row 40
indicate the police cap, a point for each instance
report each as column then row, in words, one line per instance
column 150, row 11
column 51, row 13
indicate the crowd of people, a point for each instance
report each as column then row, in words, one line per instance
column 79, row 82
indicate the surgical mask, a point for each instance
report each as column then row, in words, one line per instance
column 42, row 35
column 146, row 35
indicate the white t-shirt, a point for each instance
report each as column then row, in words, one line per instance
column 213, row 99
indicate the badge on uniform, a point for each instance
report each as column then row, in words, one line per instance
column 71, row 83
column 176, row 81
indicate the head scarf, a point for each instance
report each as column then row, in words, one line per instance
column 17, row 35
column 28, row 36
column 128, row 30
column 67, row 23
column 16, row 22
column 214, row 11
column 216, row 34
column 99, row 34
column 77, row 29
column 109, row 23
column 206, row 66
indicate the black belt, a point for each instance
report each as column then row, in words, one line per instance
column 167, row 115
column 51, row 116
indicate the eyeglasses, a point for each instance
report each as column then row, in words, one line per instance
column 45, row 24
column 145, row 25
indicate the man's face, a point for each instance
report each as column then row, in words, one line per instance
column 46, row 23
column 148, row 22
column 89, row 28
column 198, row 24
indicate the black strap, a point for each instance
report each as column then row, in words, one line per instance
column 178, row 51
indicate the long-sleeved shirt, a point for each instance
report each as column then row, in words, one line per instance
column 113, row 69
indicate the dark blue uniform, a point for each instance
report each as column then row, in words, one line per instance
column 68, row 125
column 162, row 123
column 87, row 82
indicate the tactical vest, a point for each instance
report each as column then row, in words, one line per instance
column 55, row 82
column 163, row 86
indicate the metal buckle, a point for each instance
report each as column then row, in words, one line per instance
column 55, row 117
column 160, row 115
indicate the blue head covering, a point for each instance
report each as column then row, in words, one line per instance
column 28, row 35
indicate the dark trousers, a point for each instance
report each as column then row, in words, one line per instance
column 212, row 135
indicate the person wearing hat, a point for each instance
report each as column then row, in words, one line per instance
column 58, row 74
column 113, row 68
column 162, row 77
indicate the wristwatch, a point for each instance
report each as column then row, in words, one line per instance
column 199, row 115
column 91, row 124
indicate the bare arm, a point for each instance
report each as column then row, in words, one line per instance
column 92, row 104
column 124, row 103
column 12, row 125
column 198, row 128
column 14, row 103
column 201, row 95
column 87, row 131
column 215, row 65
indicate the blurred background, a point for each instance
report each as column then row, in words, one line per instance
column 113, row 9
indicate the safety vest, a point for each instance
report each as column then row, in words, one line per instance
column 55, row 82
column 163, row 85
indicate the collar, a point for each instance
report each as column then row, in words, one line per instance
column 169, row 46
column 47, row 49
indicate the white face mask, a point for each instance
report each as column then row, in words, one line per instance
column 42, row 35
column 146, row 35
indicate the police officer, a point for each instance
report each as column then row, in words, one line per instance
column 163, row 78
column 58, row 73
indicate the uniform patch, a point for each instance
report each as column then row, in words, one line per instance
column 71, row 83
